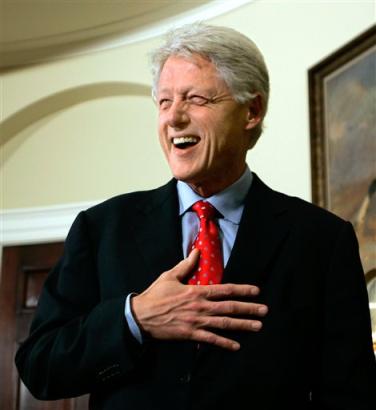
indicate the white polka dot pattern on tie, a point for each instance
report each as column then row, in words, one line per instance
column 210, row 266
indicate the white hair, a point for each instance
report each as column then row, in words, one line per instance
column 237, row 59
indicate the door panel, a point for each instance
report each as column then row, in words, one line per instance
column 24, row 270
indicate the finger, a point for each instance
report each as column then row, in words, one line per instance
column 228, row 290
column 186, row 266
column 229, row 323
column 232, row 307
column 205, row 336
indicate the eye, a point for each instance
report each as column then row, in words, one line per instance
column 198, row 99
column 164, row 103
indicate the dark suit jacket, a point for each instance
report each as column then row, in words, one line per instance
column 314, row 351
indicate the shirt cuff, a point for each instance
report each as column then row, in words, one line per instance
column 132, row 324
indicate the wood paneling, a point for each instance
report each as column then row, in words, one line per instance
column 24, row 270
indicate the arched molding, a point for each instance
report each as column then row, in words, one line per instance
column 51, row 104
column 111, row 34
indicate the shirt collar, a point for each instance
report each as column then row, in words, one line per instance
column 229, row 202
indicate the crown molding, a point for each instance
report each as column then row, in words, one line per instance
column 204, row 12
column 38, row 225
column 107, row 36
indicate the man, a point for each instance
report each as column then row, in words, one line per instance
column 269, row 310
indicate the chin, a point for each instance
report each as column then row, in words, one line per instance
column 192, row 180
column 188, row 172
column 182, row 173
column 182, row 177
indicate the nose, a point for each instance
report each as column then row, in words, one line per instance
column 177, row 116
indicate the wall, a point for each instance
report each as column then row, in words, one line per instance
column 83, row 128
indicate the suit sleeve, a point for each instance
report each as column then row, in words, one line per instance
column 348, row 370
column 77, row 342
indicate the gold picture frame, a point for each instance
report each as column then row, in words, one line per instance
column 342, row 103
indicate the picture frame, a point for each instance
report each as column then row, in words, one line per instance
column 342, row 105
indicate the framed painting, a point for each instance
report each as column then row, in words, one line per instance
column 342, row 97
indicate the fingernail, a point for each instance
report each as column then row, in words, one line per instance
column 235, row 346
column 255, row 291
column 263, row 310
column 256, row 325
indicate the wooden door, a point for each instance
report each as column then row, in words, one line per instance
column 24, row 270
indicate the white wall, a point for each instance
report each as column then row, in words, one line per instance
column 83, row 128
column 294, row 36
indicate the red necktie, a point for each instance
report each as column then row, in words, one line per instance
column 210, row 265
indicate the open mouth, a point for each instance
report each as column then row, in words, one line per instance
column 185, row 142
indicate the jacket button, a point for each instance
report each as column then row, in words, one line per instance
column 185, row 378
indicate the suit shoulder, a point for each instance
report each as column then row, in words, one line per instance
column 128, row 202
column 308, row 213
column 301, row 211
column 303, row 218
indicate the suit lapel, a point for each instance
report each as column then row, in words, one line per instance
column 158, row 236
column 262, row 229
column 157, row 231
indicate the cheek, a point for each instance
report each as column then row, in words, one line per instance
column 164, row 146
column 220, row 136
column 162, row 139
column 220, row 132
column 161, row 119
column 159, row 124
column 161, row 131
column 211, row 129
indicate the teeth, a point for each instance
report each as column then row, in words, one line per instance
column 184, row 140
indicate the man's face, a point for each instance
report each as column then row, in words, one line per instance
column 203, row 131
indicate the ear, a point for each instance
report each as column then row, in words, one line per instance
column 254, row 114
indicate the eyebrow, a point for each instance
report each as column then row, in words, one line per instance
column 208, row 92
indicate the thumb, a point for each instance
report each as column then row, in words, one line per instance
column 183, row 268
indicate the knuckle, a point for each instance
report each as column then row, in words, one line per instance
column 194, row 306
column 211, row 308
column 226, row 322
column 185, row 332
column 210, row 291
column 231, row 307
column 187, row 318
column 227, row 290
column 191, row 320
column 191, row 291
column 211, row 338
column 252, row 309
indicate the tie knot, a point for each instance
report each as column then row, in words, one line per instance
column 204, row 210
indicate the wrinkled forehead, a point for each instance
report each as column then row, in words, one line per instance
column 192, row 70
column 200, row 61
